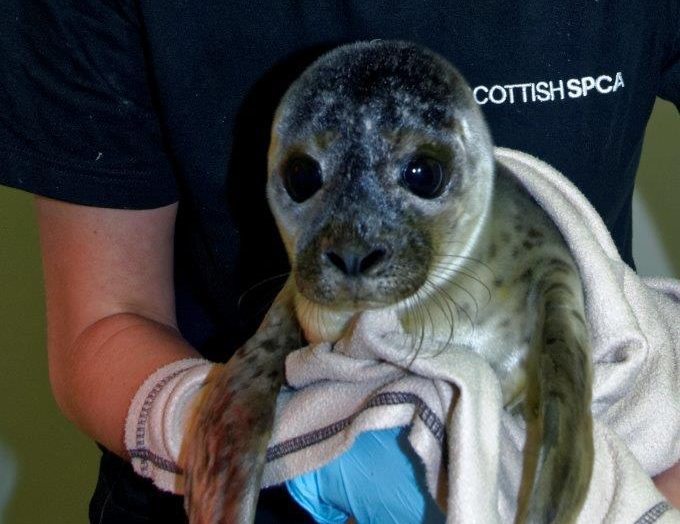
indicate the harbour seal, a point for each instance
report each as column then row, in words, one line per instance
column 384, row 187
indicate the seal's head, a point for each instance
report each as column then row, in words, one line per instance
column 380, row 164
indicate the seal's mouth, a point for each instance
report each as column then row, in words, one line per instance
column 326, row 316
column 351, row 293
column 354, row 302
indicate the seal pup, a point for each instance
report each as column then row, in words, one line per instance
column 384, row 187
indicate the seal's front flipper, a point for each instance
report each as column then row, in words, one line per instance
column 559, row 451
column 224, row 450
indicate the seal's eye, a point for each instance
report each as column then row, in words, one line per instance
column 424, row 177
column 302, row 177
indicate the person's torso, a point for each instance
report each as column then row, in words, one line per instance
column 572, row 84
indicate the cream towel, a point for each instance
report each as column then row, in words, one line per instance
column 452, row 400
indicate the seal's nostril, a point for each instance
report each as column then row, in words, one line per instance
column 337, row 261
column 371, row 260
column 354, row 264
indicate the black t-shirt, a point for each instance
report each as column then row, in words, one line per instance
column 137, row 104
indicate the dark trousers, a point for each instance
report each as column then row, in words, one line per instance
column 122, row 497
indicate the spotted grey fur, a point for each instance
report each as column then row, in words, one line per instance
column 480, row 266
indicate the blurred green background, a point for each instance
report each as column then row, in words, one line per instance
column 56, row 465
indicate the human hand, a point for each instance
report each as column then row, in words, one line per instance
column 668, row 483
column 380, row 480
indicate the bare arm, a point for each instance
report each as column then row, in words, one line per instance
column 111, row 318
column 110, row 309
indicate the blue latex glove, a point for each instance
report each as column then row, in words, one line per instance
column 379, row 480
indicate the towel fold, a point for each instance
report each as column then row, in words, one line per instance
column 471, row 446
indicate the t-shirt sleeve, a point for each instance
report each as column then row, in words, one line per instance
column 79, row 122
column 670, row 75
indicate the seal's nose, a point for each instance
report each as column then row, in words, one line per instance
column 355, row 262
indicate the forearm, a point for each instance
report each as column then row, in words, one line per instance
column 109, row 292
column 95, row 378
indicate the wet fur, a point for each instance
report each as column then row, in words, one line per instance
column 482, row 265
